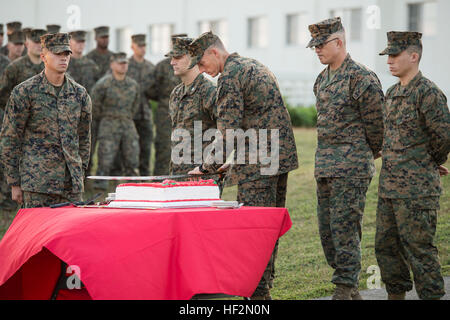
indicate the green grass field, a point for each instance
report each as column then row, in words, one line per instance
column 302, row 272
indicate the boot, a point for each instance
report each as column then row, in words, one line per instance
column 355, row 294
column 261, row 296
column 342, row 292
column 396, row 296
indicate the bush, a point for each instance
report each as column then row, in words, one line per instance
column 303, row 116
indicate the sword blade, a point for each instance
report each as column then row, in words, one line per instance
column 150, row 178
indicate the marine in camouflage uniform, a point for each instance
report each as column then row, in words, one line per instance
column 86, row 72
column 416, row 143
column 83, row 70
column 115, row 102
column 15, row 73
column 101, row 55
column 10, row 28
column 15, row 44
column 4, row 61
column 45, row 139
column 1, row 35
column 162, row 84
column 350, row 133
column 141, row 71
column 248, row 97
column 190, row 102
column 53, row 28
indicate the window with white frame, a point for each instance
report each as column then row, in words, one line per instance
column 422, row 17
column 257, row 32
column 352, row 21
column 123, row 40
column 218, row 27
column 296, row 29
column 159, row 38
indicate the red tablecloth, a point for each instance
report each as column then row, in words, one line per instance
column 140, row 254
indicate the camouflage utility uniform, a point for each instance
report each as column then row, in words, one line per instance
column 416, row 142
column 114, row 104
column 45, row 139
column 143, row 119
column 162, row 84
column 248, row 97
column 350, row 133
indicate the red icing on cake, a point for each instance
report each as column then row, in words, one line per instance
column 172, row 183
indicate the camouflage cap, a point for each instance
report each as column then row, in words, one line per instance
column 16, row 37
column 35, row 34
column 198, row 47
column 399, row 41
column 26, row 32
column 53, row 28
column 322, row 30
column 179, row 35
column 180, row 46
column 139, row 39
column 78, row 35
column 56, row 42
column 102, row 31
column 120, row 57
column 14, row 26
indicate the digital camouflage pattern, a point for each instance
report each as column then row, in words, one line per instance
column 266, row 192
column 248, row 97
column 340, row 208
column 416, row 139
column 102, row 31
column 11, row 26
column 349, row 121
column 321, row 31
column 53, row 28
column 416, row 142
column 17, row 37
column 139, row 39
column 45, row 139
column 102, row 60
column 84, row 71
column 56, row 42
column 4, row 61
column 115, row 104
column 15, row 73
column 35, row 199
column 404, row 239
column 350, row 133
column 400, row 41
column 161, row 86
column 5, row 192
column 141, row 72
column 180, row 46
column 35, row 34
column 198, row 47
column 195, row 102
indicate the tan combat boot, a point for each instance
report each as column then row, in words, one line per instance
column 355, row 294
column 342, row 292
column 396, row 296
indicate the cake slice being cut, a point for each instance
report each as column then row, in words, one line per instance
column 166, row 194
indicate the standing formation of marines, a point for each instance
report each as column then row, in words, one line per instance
column 50, row 128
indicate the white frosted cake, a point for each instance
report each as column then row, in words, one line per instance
column 166, row 194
